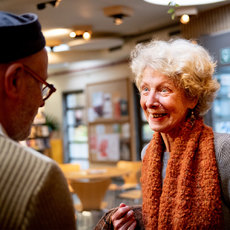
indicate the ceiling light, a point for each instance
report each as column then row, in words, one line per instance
column 52, row 43
column 118, row 13
column 55, row 46
column 48, row 49
column 184, row 19
column 118, row 19
column 84, row 32
column 41, row 6
column 185, row 12
column 56, row 32
column 183, row 2
column 72, row 34
column 86, row 35
column 60, row 48
column 54, row 3
column 57, row 3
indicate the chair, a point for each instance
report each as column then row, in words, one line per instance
column 132, row 179
column 67, row 168
column 90, row 192
column 134, row 195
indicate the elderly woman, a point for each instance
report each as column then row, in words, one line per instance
column 186, row 166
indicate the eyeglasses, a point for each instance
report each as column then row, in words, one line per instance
column 47, row 89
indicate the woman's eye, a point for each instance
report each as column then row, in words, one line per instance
column 164, row 90
column 144, row 89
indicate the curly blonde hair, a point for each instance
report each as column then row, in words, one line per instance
column 188, row 64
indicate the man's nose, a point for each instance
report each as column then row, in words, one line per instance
column 42, row 103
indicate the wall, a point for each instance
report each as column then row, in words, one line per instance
column 79, row 80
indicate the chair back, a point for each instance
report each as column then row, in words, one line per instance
column 135, row 171
column 69, row 167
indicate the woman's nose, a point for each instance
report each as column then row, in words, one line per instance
column 152, row 100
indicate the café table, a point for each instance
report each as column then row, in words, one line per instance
column 97, row 173
column 91, row 185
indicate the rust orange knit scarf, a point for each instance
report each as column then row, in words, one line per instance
column 190, row 197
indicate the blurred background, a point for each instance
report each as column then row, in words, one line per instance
column 89, row 43
column 94, row 119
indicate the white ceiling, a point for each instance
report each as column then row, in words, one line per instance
column 71, row 13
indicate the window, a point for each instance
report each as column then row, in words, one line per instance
column 75, row 128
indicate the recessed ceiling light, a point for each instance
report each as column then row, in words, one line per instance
column 86, row 35
column 60, row 48
column 183, row 2
column 56, row 32
column 184, row 19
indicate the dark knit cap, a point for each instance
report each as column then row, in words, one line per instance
column 20, row 36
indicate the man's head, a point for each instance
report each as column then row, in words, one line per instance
column 23, row 72
column 21, row 36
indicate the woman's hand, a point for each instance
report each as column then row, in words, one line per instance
column 124, row 218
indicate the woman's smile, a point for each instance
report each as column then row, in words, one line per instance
column 157, row 115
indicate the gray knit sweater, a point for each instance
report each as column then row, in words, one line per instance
column 33, row 191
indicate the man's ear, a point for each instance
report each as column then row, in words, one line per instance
column 12, row 80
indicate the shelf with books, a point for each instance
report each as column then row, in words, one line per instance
column 39, row 138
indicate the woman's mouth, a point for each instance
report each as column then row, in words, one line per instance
column 157, row 115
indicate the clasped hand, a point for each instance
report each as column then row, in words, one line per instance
column 124, row 218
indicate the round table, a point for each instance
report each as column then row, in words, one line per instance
column 91, row 185
column 97, row 173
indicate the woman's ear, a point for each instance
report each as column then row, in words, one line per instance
column 12, row 80
column 193, row 103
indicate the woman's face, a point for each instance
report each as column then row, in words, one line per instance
column 164, row 105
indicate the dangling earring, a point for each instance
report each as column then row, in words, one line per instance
column 193, row 117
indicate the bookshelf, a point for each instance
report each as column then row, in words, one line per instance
column 39, row 138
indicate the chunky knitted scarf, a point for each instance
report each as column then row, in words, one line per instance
column 190, row 197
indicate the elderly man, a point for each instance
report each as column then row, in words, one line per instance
column 33, row 190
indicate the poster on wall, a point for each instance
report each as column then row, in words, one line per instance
column 97, row 103
column 108, row 147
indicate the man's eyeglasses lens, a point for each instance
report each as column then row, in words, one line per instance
column 46, row 91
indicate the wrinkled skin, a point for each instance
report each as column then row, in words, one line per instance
column 124, row 218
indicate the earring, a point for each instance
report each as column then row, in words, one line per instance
column 193, row 117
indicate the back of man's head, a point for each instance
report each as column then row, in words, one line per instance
column 21, row 36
